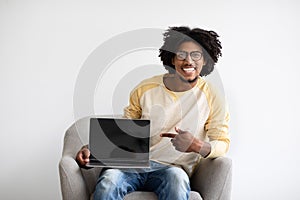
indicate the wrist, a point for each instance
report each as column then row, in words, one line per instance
column 205, row 149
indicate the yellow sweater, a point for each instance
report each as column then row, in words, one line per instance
column 200, row 110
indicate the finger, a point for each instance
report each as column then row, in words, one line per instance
column 79, row 158
column 85, row 155
column 169, row 135
column 178, row 130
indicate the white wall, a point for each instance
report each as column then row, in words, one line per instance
column 43, row 45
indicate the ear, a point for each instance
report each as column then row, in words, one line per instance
column 173, row 61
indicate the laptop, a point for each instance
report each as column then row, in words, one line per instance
column 119, row 143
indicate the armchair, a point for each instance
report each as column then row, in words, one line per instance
column 211, row 180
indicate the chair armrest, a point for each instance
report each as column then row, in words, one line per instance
column 73, row 186
column 212, row 179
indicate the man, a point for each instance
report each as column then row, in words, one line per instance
column 182, row 106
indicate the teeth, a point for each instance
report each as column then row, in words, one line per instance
column 189, row 69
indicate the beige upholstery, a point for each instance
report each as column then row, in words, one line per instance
column 211, row 181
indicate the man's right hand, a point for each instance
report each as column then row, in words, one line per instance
column 83, row 156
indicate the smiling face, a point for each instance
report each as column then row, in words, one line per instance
column 188, row 61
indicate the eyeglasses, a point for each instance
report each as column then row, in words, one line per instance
column 195, row 55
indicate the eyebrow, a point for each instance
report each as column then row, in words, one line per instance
column 190, row 51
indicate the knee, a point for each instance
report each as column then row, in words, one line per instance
column 107, row 185
column 178, row 177
column 110, row 176
column 175, row 184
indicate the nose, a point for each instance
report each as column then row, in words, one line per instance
column 189, row 59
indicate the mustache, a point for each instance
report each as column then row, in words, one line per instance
column 189, row 65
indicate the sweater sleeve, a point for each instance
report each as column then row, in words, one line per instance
column 133, row 110
column 216, row 126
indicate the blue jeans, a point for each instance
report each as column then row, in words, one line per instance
column 167, row 182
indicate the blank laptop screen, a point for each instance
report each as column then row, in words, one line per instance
column 119, row 139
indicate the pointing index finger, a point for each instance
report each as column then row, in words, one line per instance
column 169, row 135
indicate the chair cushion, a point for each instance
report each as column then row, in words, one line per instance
column 138, row 195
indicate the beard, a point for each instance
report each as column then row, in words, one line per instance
column 188, row 81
